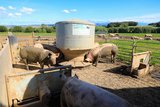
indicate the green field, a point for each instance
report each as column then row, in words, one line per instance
column 139, row 34
column 28, row 34
column 54, row 33
column 125, row 49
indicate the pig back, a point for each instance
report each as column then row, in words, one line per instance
column 76, row 93
column 33, row 54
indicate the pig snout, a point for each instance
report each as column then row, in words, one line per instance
column 53, row 59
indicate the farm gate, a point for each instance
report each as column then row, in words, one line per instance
column 126, row 47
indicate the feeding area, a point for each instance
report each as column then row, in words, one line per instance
column 79, row 68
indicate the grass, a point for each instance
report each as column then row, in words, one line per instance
column 139, row 34
column 54, row 33
column 125, row 49
column 28, row 34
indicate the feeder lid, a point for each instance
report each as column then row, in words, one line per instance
column 76, row 21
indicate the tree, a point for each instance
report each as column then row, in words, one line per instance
column 123, row 30
column 132, row 23
column 17, row 29
column 113, row 24
column 158, row 30
column 29, row 29
column 122, row 24
column 113, row 30
column 37, row 30
column 100, row 29
column 49, row 29
column 155, row 24
column 3, row 29
column 137, row 30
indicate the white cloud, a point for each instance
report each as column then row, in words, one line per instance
column 2, row 8
column 18, row 14
column 11, row 7
column 66, row 11
column 145, row 18
column 10, row 14
column 70, row 11
column 27, row 10
column 73, row 10
column 14, row 14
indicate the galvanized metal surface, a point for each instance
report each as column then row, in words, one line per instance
column 66, row 38
column 26, row 85
column 74, row 35
column 5, row 68
column 78, row 21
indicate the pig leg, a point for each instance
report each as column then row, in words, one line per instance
column 42, row 65
column 26, row 63
column 114, row 58
column 97, row 60
column 49, row 65
column 111, row 58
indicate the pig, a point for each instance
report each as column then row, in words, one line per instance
column 38, row 45
column 101, row 52
column 34, row 55
column 77, row 93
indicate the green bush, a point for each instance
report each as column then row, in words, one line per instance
column 37, row 30
column 122, row 24
column 100, row 29
column 17, row 29
column 158, row 30
column 49, row 29
column 155, row 24
column 123, row 30
column 29, row 29
column 3, row 29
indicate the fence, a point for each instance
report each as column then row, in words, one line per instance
column 126, row 47
column 31, row 40
column 5, row 68
column 150, row 45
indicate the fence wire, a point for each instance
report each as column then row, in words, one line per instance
column 126, row 47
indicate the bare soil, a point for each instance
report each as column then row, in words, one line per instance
column 141, row 92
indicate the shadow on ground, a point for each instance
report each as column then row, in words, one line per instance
column 20, row 66
column 140, row 97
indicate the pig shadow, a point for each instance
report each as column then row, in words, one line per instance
column 139, row 97
column 121, row 70
column 22, row 66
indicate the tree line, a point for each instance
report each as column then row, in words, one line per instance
column 42, row 29
column 113, row 27
column 128, row 27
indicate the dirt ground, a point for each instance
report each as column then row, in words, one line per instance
column 141, row 92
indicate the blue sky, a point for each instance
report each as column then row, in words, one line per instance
column 25, row 12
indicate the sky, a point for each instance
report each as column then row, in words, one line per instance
column 27, row 12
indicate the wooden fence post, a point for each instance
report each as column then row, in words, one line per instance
column 133, row 51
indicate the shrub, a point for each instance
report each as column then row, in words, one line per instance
column 29, row 29
column 17, row 29
column 3, row 29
